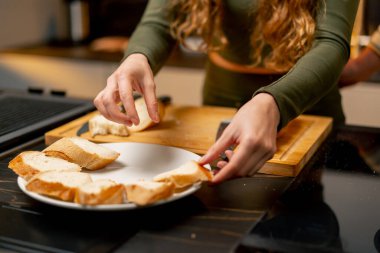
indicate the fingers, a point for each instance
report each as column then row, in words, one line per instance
column 246, row 161
column 234, row 166
column 151, row 101
column 222, row 163
column 126, row 96
column 219, row 146
column 134, row 74
column 106, row 103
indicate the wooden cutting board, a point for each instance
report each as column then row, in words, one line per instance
column 195, row 128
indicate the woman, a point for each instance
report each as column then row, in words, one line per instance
column 274, row 58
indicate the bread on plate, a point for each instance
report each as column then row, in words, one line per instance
column 58, row 184
column 148, row 192
column 29, row 163
column 185, row 175
column 83, row 152
column 99, row 192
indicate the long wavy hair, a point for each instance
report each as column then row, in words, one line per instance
column 286, row 26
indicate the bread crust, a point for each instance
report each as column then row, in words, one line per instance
column 68, row 150
column 182, row 180
column 52, row 189
column 26, row 171
column 55, row 189
column 110, row 195
column 140, row 195
column 22, row 169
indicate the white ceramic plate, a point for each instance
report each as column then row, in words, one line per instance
column 136, row 161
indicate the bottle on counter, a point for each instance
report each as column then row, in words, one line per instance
column 79, row 22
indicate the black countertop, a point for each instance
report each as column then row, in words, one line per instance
column 332, row 206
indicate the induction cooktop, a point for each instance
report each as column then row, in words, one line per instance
column 24, row 115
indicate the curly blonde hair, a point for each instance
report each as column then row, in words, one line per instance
column 286, row 26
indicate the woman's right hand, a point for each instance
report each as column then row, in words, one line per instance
column 134, row 74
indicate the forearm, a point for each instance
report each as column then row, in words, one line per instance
column 310, row 79
column 360, row 68
column 316, row 73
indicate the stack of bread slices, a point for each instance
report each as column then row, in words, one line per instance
column 63, row 171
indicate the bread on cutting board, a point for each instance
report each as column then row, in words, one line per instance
column 83, row 152
column 100, row 192
column 29, row 163
column 185, row 175
column 58, row 184
column 148, row 192
column 99, row 125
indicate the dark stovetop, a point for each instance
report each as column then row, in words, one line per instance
column 335, row 204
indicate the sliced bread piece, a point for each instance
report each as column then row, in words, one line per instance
column 101, row 191
column 145, row 120
column 185, row 175
column 29, row 163
column 148, row 192
column 99, row 125
column 82, row 152
column 58, row 184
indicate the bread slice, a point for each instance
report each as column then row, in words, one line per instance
column 185, row 175
column 29, row 163
column 82, row 152
column 145, row 120
column 99, row 125
column 148, row 192
column 58, row 184
column 102, row 191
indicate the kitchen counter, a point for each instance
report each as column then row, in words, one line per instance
column 178, row 57
column 332, row 206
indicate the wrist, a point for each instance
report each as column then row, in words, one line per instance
column 268, row 103
column 138, row 56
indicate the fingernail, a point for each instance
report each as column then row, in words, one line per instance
column 156, row 118
column 135, row 121
column 128, row 123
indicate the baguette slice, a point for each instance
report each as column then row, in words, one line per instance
column 145, row 120
column 185, row 175
column 82, row 152
column 58, row 184
column 99, row 125
column 29, row 163
column 148, row 192
column 102, row 191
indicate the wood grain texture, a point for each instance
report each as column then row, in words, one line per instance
column 194, row 129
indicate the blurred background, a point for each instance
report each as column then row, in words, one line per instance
column 70, row 47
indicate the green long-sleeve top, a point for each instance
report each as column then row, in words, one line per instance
column 309, row 87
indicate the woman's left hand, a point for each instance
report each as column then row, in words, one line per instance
column 254, row 130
